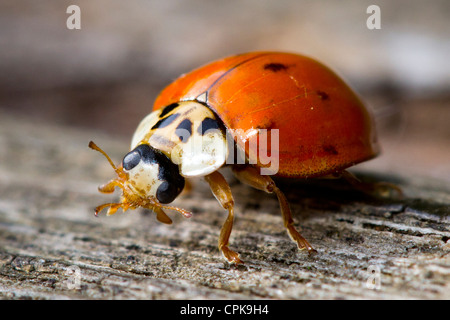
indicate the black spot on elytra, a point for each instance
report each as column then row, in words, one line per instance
column 167, row 109
column 330, row 149
column 165, row 121
column 184, row 130
column 275, row 66
column 322, row 95
column 207, row 124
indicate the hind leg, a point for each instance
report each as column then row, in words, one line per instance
column 375, row 189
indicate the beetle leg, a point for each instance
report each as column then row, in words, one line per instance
column 162, row 216
column 376, row 189
column 113, row 207
column 109, row 187
column 251, row 176
column 222, row 192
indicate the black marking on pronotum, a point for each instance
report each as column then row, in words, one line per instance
column 275, row 66
column 323, row 95
column 207, row 124
column 165, row 121
column 168, row 108
column 184, row 130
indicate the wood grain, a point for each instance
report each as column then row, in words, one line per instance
column 52, row 246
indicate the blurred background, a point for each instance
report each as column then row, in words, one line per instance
column 106, row 75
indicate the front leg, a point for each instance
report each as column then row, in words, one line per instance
column 222, row 192
column 251, row 176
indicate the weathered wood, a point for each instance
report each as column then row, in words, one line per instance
column 52, row 246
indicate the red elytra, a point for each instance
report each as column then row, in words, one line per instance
column 323, row 125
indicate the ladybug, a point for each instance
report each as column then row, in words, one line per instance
column 254, row 104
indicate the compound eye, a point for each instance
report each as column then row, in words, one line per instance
column 131, row 160
column 167, row 192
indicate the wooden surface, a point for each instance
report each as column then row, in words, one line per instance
column 107, row 75
column 52, row 246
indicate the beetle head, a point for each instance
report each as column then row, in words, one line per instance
column 147, row 178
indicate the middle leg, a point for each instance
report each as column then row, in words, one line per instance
column 251, row 176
